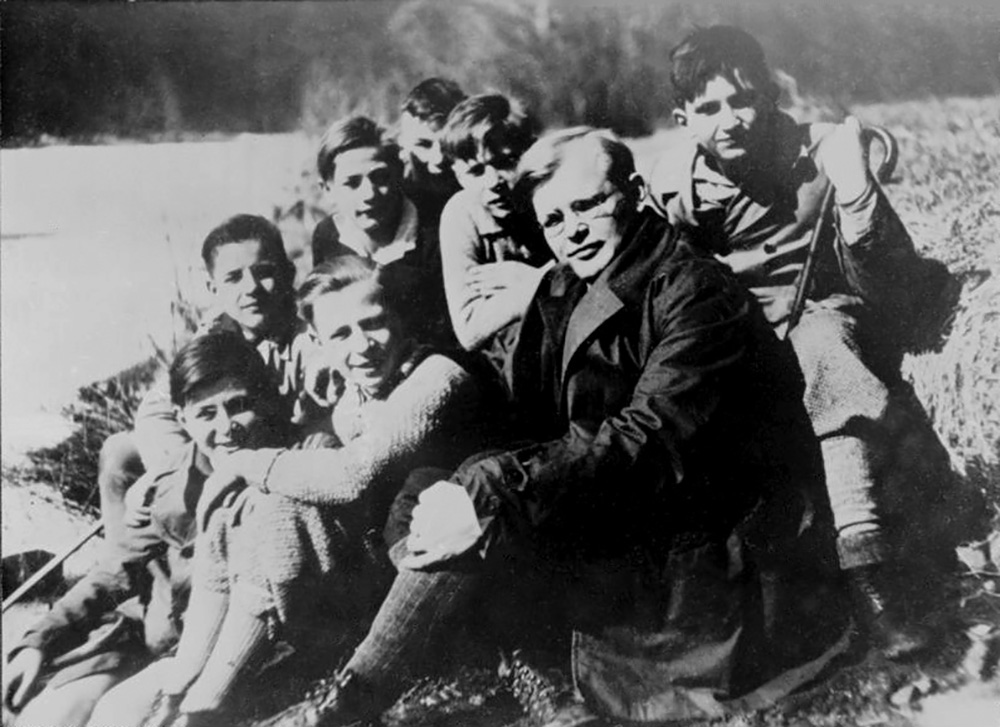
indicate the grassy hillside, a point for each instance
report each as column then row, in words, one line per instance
column 145, row 70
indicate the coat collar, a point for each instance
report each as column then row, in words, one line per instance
column 648, row 240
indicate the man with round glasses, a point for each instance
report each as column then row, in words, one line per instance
column 662, row 474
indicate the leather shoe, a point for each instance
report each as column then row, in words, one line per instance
column 546, row 695
column 350, row 702
column 884, row 616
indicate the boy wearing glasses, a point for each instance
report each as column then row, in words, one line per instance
column 492, row 254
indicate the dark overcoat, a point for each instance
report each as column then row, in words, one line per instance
column 672, row 465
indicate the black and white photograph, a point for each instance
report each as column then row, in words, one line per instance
column 500, row 363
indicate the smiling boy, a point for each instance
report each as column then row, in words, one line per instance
column 362, row 177
column 750, row 184
column 252, row 284
column 97, row 634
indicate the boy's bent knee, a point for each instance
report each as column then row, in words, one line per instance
column 68, row 705
column 119, row 460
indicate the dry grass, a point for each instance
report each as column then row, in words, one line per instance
column 949, row 197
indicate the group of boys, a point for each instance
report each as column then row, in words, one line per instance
column 673, row 409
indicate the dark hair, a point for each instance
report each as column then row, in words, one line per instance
column 354, row 132
column 541, row 161
column 484, row 121
column 718, row 50
column 334, row 275
column 214, row 356
column 432, row 100
column 240, row 228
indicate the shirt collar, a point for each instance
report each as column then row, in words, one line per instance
column 404, row 241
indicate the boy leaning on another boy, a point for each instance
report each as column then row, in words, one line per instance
column 252, row 284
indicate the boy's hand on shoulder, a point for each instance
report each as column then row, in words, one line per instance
column 844, row 158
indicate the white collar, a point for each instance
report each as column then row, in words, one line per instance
column 403, row 242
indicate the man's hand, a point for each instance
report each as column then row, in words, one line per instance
column 490, row 278
column 444, row 526
column 20, row 676
column 844, row 157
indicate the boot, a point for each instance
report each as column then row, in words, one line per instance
column 351, row 702
column 548, row 697
column 883, row 615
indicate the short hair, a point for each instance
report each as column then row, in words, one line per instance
column 432, row 100
column 240, row 228
column 208, row 359
column 334, row 275
column 354, row 132
column 540, row 162
column 485, row 120
column 718, row 50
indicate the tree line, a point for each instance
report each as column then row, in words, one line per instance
column 82, row 71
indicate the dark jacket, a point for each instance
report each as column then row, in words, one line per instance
column 667, row 417
column 655, row 398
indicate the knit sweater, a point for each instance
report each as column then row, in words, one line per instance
column 435, row 408
column 304, row 515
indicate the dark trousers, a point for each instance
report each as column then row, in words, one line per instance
column 502, row 602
